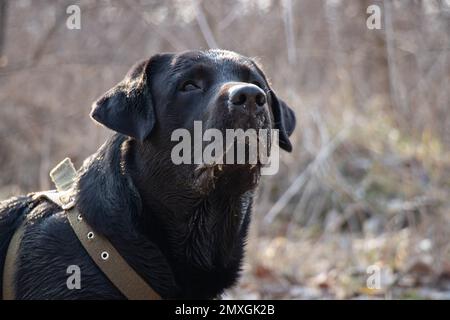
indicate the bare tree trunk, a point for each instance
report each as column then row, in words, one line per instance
column 3, row 16
column 44, row 166
column 396, row 90
column 289, row 31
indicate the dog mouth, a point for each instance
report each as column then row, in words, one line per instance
column 242, row 158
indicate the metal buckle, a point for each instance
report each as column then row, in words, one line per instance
column 68, row 202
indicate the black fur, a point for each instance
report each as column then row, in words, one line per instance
column 183, row 235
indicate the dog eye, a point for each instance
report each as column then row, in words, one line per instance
column 189, row 86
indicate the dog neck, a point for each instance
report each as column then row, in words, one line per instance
column 126, row 195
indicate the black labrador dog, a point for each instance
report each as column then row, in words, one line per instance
column 182, row 234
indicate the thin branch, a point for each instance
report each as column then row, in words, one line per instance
column 204, row 26
column 296, row 185
column 229, row 18
column 168, row 36
column 39, row 51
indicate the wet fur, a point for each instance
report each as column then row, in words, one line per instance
column 207, row 260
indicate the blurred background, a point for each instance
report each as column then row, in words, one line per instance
column 360, row 209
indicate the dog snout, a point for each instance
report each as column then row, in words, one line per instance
column 246, row 98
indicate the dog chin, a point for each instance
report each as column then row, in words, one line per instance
column 208, row 177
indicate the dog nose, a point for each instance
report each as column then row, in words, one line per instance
column 246, row 97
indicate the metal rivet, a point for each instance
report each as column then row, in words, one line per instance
column 79, row 217
column 90, row 235
column 105, row 255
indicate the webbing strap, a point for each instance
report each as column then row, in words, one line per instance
column 102, row 252
column 113, row 265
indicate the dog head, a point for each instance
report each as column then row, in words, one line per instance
column 219, row 89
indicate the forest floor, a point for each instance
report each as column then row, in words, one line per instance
column 342, row 266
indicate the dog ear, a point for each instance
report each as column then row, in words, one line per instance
column 127, row 108
column 284, row 119
column 283, row 115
